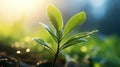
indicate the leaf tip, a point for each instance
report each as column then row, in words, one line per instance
column 50, row 6
column 84, row 14
column 96, row 31
column 35, row 39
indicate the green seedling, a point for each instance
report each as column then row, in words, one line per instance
column 61, row 36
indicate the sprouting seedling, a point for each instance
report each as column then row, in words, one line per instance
column 59, row 34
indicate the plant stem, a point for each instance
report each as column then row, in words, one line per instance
column 56, row 54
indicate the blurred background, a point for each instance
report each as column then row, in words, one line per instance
column 19, row 23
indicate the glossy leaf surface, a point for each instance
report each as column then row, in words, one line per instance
column 55, row 17
column 74, row 21
column 42, row 42
column 51, row 32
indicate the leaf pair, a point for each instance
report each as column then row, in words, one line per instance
column 56, row 19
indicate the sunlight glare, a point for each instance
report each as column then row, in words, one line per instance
column 14, row 9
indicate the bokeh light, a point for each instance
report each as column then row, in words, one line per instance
column 18, row 52
column 27, row 50
column 83, row 48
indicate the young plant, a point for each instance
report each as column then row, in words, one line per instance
column 62, row 36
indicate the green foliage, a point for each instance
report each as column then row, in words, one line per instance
column 43, row 43
column 104, row 51
column 73, row 42
column 59, row 35
column 74, row 21
column 56, row 20
column 10, row 33
column 51, row 32
column 78, row 38
column 55, row 17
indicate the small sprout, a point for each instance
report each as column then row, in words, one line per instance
column 59, row 34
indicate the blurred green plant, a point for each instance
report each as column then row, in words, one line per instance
column 62, row 37
column 100, row 51
column 10, row 33
column 105, row 51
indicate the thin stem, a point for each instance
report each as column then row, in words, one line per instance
column 56, row 54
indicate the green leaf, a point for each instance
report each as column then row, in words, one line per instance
column 84, row 34
column 74, row 42
column 43, row 43
column 78, row 36
column 74, row 21
column 51, row 32
column 55, row 17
